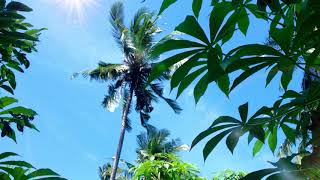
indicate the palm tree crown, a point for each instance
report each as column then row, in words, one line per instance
column 136, row 43
column 157, row 141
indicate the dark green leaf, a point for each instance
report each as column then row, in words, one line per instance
column 259, row 174
column 243, row 21
column 210, row 131
column 7, row 88
column 243, row 76
column 217, row 16
column 243, row 111
column 196, row 7
column 185, row 68
column 215, row 70
column 20, row 110
column 174, row 44
column 289, row 132
column 167, row 63
column 17, row 163
column 7, row 154
column 228, row 29
column 287, row 76
column 191, row 27
column 233, row 139
column 18, row 6
column 257, row 132
column 272, row 73
column 42, row 172
column 224, row 83
column 189, row 79
column 225, row 119
column 165, row 4
column 201, row 87
column 212, row 143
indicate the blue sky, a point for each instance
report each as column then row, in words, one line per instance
column 77, row 135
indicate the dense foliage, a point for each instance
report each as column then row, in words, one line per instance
column 229, row 175
column 294, row 44
column 165, row 166
column 17, row 39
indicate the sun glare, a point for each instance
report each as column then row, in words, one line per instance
column 76, row 9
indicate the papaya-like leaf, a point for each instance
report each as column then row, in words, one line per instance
column 196, row 7
column 191, row 27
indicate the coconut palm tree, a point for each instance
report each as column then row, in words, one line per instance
column 156, row 141
column 129, row 79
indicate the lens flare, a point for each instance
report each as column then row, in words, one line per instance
column 76, row 9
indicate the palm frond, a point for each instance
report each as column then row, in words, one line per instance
column 106, row 71
column 112, row 99
column 120, row 33
column 158, row 89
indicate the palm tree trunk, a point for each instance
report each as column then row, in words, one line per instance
column 125, row 113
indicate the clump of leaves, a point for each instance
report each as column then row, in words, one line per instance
column 15, row 169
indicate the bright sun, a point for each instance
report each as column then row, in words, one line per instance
column 76, row 9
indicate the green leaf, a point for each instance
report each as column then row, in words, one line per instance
column 287, row 76
column 6, row 101
column 20, row 110
column 257, row 132
column 196, row 7
column 272, row 73
column 7, row 88
column 225, row 119
column 233, row 139
column 260, row 174
column 201, row 87
column 191, row 27
column 283, row 37
column 173, row 44
column 273, row 139
column 215, row 70
column 7, row 154
column 167, row 63
column 257, row 147
column 243, row 111
column 17, row 163
column 245, row 63
column 210, row 131
column 246, row 74
column 217, row 16
column 189, row 79
column 42, row 172
column 228, row 29
column 243, row 21
column 185, row 68
column 212, row 143
column 22, row 36
column 224, row 83
column 289, row 133
column 18, row 6
column 165, row 4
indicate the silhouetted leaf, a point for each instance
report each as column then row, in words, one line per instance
column 165, row 4
column 233, row 139
column 191, row 27
column 243, row 111
column 196, row 7
column 212, row 143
